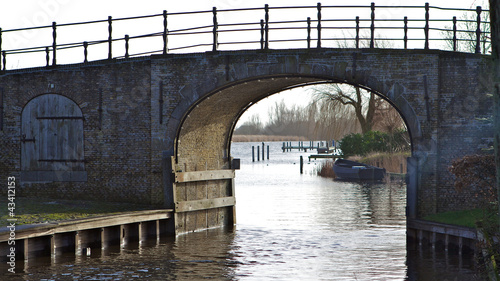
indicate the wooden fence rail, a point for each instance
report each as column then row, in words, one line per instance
column 449, row 27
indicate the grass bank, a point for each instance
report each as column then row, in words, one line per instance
column 466, row 218
column 36, row 210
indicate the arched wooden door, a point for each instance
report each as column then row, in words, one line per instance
column 52, row 147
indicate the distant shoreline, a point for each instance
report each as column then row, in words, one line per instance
column 257, row 138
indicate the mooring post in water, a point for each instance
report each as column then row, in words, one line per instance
column 263, row 151
column 258, row 153
column 301, row 164
column 283, row 147
column 253, row 153
column 268, row 152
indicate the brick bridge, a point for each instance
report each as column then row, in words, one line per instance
column 158, row 129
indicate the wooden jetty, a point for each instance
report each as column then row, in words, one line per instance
column 322, row 147
column 25, row 242
column 324, row 156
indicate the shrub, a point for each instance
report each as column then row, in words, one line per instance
column 476, row 171
column 374, row 141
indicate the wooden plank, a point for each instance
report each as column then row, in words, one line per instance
column 89, row 223
column 204, row 175
column 204, row 204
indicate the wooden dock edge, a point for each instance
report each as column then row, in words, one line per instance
column 24, row 242
column 441, row 236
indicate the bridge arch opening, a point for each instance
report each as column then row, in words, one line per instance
column 203, row 142
column 211, row 121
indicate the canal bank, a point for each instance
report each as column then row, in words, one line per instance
column 22, row 243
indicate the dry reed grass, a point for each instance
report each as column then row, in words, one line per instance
column 266, row 138
column 391, row 162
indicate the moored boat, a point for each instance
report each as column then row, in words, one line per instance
column 351, row 170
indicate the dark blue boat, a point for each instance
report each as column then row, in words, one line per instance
column 351, row 170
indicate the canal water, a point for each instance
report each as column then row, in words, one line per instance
column 290, row 226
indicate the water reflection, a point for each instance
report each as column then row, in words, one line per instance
column 289, row 227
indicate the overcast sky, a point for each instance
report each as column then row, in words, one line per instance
column 28, row 13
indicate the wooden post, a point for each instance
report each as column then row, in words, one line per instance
column 4, row 60
column 263, row 151
column 372, row 27
column 266, row 27
column 253, row 153
column 426, row 28
column 262, row 34
column 308, row 32
column 283, row 147
column 85, row 51
column 405, row 38
column 47, row 56
column 54, row 43
column 301, row 164
column 110, row 38
column 319, row 25
column 357, row 32
column 126, row 46
column 267, row 152
column 495, row 52
column 165, row 32
column 478, row 30
column 258, row 153
column 454, row 34
column 215, row 41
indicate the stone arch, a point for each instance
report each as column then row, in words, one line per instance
column 52, row 140
column 203, row 137
column 261, row 87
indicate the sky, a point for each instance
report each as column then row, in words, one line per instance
column 29, row 13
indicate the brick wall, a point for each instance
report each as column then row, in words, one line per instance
column 187, row 106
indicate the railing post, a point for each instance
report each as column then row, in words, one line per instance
column 214, row 46
column 85, row 51
column 266, row 27
column 405, row 38
column 426, row 28
column 54, row 43
column 110, row 37
column 357, row 32
column 126, row 46
column 454, row 34
column 319, row 25
column 0, row 47
column 308, row 32
column 372, row 27
column 478, row 30
column 47, row 56
column 4, row 60
column 165, row 32
column 262, row 32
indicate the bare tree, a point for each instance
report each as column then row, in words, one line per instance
column 364, row 104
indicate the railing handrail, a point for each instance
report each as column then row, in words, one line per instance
column 477, row 35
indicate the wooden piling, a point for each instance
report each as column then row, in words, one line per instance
column 253, row 153
column 301, row 164
column 267, row 152
column 258, row 153
column 263, row 151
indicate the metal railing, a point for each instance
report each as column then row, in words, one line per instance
column 380, row 26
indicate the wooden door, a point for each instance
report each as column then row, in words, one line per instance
column 52, row 135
